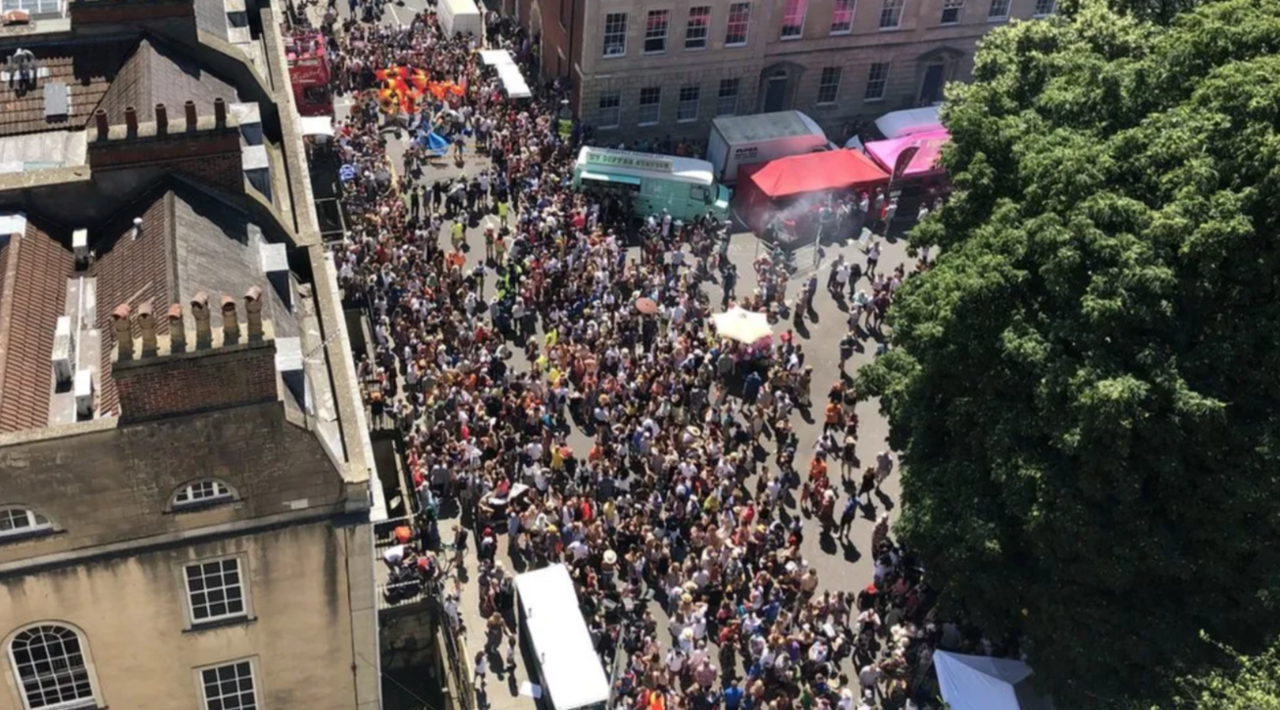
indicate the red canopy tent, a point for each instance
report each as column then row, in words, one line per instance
column 765, row 188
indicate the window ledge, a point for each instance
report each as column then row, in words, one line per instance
column 873, row 101
column 220, row 624
column 791, row 38
column 841, row 33
column 695, row 49
column 948, row 24
column 647, row 125
column 613, row 56
column 735, row 46
column 995, row 20
column 25, row 534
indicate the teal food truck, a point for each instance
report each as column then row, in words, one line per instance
column 647, row 183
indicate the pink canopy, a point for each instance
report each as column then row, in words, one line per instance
column 926, row 160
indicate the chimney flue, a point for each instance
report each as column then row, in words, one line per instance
column 177, row 329
column 230, row 321
column 124, row 332
column 253, row 312
column 100, row 120
column 190, row 109
column 220, row 112
column 147, row 323
column 200, row 311
column 162, row 120
column 131, row 121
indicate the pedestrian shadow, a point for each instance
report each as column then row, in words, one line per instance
column 850, row 550
column 868, row 510
column 885, row 500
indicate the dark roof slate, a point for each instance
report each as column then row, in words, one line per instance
column 155, row 74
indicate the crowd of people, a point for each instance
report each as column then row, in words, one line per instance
column 686, row 496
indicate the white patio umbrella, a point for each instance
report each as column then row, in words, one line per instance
column 742, row 325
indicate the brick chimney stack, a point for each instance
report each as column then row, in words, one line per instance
column 131, row 121
column 124, row 331
column 220, row 112
column 253, row 312
column 162, row 120
column 200, row 311
column 227, row 371
column 147, row 323
column 190, row 108
column 230, row 321
column 177, row 329
column 100, row 121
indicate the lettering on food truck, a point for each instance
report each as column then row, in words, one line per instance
column 629, row 160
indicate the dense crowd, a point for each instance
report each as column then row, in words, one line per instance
column 677, row 500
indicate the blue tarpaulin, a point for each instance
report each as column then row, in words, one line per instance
column 346, row 173
column 433, row 142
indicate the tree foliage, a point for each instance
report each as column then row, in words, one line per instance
column 1085, row 387
column 1250, row 683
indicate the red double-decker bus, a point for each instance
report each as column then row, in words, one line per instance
column 309, row 73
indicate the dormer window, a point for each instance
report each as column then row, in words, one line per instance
column 202, row 493
column 21, row 522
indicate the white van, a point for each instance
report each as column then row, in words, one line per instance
column 564, row 661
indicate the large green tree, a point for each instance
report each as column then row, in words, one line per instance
column 1085, row 388
column 1248, row 683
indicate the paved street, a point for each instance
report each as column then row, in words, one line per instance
column 841, row 565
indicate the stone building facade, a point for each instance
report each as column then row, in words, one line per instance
column 663, row 67
column 188, row 492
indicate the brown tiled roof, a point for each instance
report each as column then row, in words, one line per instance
column 156, row 74
column 35, row 295
column 86, row 68
column 133, row 271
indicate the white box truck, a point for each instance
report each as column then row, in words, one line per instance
column 742, row 140
column 561, row 656
column 460, row 16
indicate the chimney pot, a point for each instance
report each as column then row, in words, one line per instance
column 131, row 121
column 190, row 109
column 230, row 321
column 200, row 311
column 162, row 119
column 147, row 323
column 177, row 329
column 124, row 331
column 220, row 112
column 100, row 120
column 253, row 312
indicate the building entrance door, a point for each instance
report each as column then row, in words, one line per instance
column 931, row 85
column 775, row 93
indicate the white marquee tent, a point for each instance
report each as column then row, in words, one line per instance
column 985, row 683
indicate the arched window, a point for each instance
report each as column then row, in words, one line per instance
column 20, row 522
column 202, row 493
column 49, row 662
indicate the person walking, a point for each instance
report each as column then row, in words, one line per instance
column 481, row 670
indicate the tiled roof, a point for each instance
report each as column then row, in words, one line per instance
column 133, row 271
column 155, row 74
column 86, row 68
column 37, row 267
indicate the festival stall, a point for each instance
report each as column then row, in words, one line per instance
column 985, row 683
column 513, row 83
column 924, row 164
column 910, row 121
column 794, row 187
